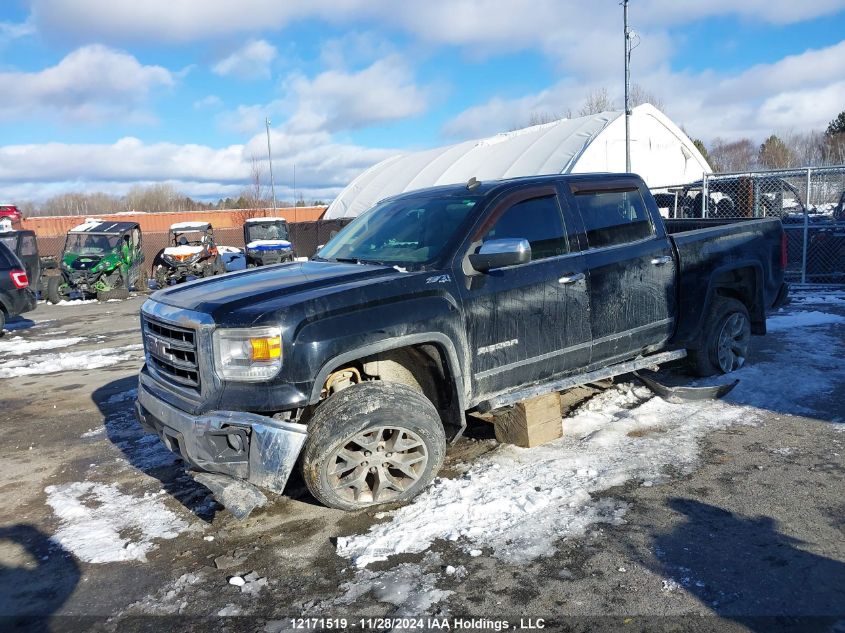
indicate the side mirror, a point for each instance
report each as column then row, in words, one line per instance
column 501, row 253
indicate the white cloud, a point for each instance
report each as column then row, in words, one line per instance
column 251, row 61
column 801, row 92
column 14, row 30
column 517, row 24
column 323, row 166
column 337, row 100
column 90, row 83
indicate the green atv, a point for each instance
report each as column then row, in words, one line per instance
column 101, row 258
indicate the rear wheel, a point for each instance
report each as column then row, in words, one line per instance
column 372, row 443
column 727, row 338
column 2, row 321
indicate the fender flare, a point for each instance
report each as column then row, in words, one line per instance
column 757, row 292
column 396, row 342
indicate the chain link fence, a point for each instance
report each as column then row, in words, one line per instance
column 810, row 202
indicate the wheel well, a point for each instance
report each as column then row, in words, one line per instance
column 423, row 367
column 742, row 284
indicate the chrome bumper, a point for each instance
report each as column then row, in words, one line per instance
column 254, row 448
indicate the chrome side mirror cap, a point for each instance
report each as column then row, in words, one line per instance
column 501, row 253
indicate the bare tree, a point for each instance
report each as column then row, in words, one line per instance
column 731, row 156
column 597, row 101
column 640, row 95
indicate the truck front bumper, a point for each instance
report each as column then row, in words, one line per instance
column 250, row 447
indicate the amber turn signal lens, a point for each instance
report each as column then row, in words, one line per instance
column 266, row 348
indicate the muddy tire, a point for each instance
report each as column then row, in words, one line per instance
column 727, row 338
column 53, row 294
column 371, row 444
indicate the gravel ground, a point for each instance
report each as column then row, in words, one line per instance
column 100, row 528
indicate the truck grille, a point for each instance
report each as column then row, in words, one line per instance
column 172, row 351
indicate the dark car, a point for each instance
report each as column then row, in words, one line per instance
column 25, row 245
column 16, row 297
column 436, row 303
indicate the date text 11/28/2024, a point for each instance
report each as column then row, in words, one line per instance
column 422, row 624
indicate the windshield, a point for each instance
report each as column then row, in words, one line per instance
column 266, row 231
column 406, row 231
column 87, row 244
column 188, row 238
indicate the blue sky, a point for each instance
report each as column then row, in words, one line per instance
column 101, row 95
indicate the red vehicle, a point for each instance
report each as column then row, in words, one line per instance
column 10, row 211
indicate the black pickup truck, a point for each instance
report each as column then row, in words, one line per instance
column 364, row 361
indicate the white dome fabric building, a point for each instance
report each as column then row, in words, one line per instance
column 660, row 152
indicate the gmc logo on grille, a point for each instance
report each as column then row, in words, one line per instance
column 157, row 347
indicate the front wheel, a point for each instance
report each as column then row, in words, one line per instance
column 727, row 338
column 372, row 443
column 54, row 294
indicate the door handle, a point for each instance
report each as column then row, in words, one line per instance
column 571, row 279
column 659, row 261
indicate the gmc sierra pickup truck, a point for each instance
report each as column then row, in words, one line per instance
column 361, row 364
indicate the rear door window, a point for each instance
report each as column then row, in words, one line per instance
column 28, row 247
column 537, row 220
column 614, row 217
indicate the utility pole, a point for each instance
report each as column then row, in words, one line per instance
column 270, row 158
column 294, row 185
column 627, row 87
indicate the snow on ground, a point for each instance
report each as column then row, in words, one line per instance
column 515, row 503
column 830, row 298
column 75, row 302
column 780, row 322
column 52, row 363
column 408, row 588
column 100, row 524
column 18, row 345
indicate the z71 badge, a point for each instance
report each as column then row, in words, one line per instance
column 439, row 279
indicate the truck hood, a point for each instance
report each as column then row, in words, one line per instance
column 274, row 285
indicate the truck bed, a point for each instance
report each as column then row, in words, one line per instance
column 705, row 247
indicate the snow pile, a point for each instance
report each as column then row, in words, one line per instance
column 100, row 524
column 271, row 243
column 518, row 502
column 75, row 302
column 68, row 361
column 18, row 345
column 780, row 322
column 832, row 298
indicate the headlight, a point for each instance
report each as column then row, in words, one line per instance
column 248, row 354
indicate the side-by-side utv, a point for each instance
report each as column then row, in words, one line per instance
column 267, row 242
column 101, row 258
column 192, row 254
